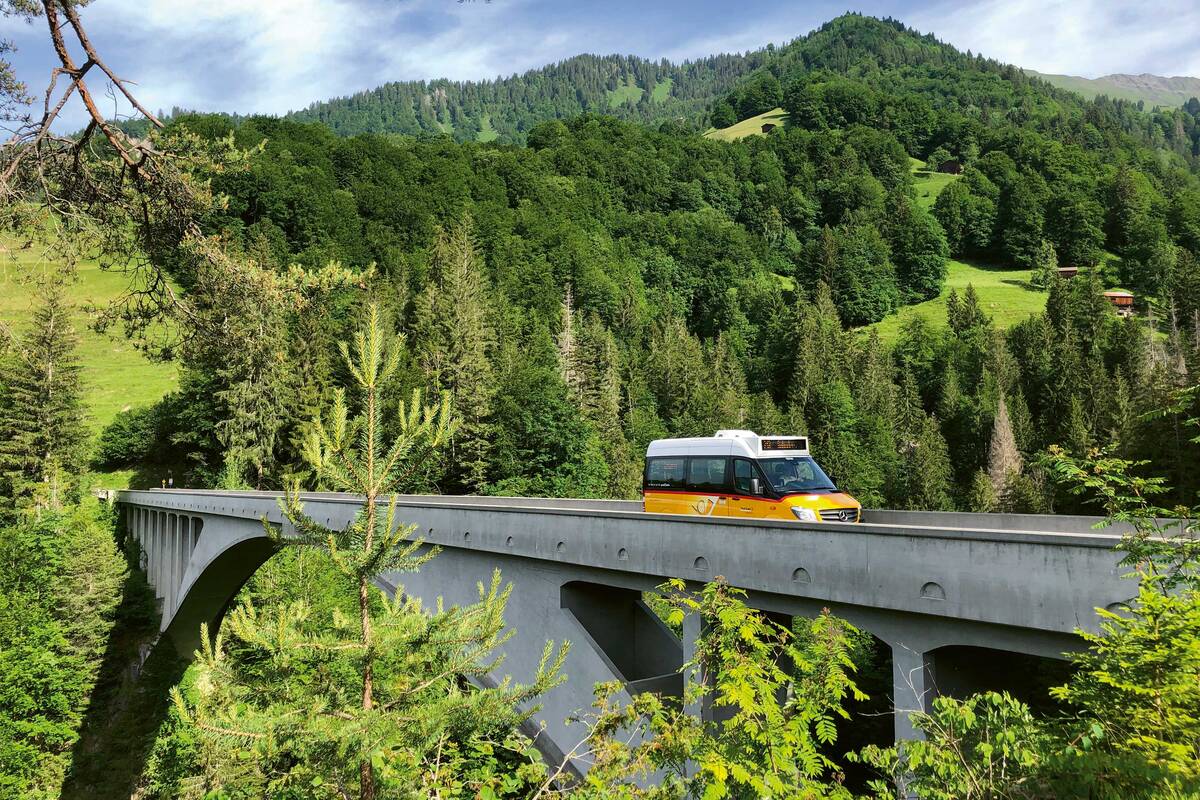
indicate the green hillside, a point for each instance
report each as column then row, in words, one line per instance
column 749, row 127
column 116, row 376
column 1005, row 295
column 929, row 183
column 627, row 92
column 1153, row 90
column 662, row 90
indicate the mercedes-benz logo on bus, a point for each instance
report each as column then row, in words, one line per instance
column 846, row 514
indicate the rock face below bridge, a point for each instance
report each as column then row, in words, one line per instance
column 969, row 587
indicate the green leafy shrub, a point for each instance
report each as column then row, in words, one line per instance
column 129, row 440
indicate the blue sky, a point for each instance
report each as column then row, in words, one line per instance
column 275, row 55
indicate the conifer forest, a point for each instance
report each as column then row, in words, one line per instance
column 972, row 291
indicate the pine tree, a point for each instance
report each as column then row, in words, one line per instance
column 925, row 477
column 285, row 709
column 1045, row 266
column 42, row 431
column 600, row 404
column 453, row 339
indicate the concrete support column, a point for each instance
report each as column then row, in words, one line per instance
column 160, row 538
column 185, row 553
column 172, row 567
column 147, row 521
column 139, row 518
column 913, row 687
column 693, row 628
column 148, row 544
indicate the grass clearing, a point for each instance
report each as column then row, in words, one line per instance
column 628, row 92
column 929, row 184
column 486, row 133
column 116, row 375
column 662, row 90
column 749, row 127
column 1004, row 294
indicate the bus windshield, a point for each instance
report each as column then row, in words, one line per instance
column 795, row 474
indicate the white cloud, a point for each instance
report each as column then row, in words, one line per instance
column 1076, row 37
column 287, row 50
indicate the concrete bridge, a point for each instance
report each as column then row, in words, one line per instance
column 950, row 594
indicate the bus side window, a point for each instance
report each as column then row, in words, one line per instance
column 707, row 474
column 664, row 473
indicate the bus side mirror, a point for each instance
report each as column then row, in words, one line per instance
column 755, row 486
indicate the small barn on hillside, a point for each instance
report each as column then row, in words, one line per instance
column 1122, row 302
column 951, row 167
column 768, row 127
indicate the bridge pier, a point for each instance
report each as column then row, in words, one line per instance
column 913, row 685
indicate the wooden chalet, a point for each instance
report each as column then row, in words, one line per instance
column 1121, row 301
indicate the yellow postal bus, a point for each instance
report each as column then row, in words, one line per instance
column 742, row 474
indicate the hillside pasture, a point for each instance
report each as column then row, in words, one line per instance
column 749, row 127
column 628, row 92
column 486, row 132
column 116, row 376
column 929, row 183
column 1005, row 295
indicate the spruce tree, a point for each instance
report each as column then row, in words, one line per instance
column 42, row 430
column 453, row 337
column 600, row 404
column 981, row 496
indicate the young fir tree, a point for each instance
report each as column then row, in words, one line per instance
column 42, row 431
column 453, row 338
column 284, row 699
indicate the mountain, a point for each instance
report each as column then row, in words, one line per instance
column 1152, row 90
column 690, row 93
column 504, row 109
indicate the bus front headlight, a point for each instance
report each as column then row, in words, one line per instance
column 804, row 514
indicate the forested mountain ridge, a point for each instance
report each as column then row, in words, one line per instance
column 506, row 109
column 715, row 90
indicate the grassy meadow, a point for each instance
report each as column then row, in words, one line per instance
column 662, row 90
column 929, row 183
column 627, row 92
column 1004, row 294
column 748, row 127
column 116, row 376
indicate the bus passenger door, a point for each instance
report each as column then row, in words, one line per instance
column 745, row 503
column 707, row 486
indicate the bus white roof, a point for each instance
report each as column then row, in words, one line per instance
column 725, row 443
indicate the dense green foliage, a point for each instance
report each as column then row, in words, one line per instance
column 59, row 587
column 610, row 284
